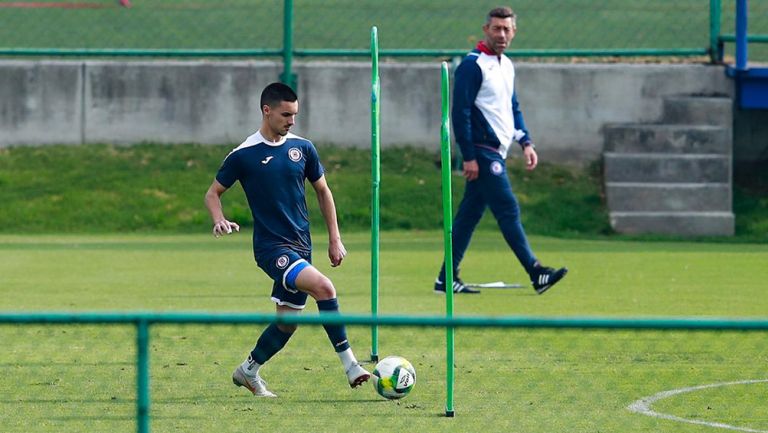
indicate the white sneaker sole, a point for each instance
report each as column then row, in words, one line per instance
column 359, row 377
column 238, row 378
column 359, row 380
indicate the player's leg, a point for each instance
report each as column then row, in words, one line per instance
column 311, row 281
column 494, row 184
column 271, row 341
column 505, row 208
column 288, row 300
column 467, row 217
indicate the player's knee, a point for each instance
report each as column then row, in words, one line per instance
column 288, row 329
column 324, row 289
column 506, row 210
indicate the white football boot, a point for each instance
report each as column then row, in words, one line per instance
column 254, row 383
column 357, row 375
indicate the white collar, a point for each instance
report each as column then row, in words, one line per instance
column 260, row 137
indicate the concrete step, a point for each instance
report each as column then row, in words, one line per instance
column 666, row 168
column 667, row 138
column 698, row 110
column 674, row 223
column 668, row 197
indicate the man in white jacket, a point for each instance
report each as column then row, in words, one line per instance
column 486, row 120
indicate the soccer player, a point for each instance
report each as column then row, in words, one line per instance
column 486, row 120
column 271, row 165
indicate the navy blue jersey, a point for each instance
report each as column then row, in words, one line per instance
column 272, row 176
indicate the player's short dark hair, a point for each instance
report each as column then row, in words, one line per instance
column 500, row 12
column 276, row 93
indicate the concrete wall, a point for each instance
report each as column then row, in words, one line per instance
column 565, row 105
column 40, row 102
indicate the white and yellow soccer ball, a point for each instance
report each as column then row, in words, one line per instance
column 394, row 377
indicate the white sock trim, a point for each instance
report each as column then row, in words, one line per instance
column 251, row 368
column 347, row 359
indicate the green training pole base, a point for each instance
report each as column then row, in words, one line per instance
column 450, row 414
column 374, row 358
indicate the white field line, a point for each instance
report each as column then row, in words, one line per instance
column 643, row 406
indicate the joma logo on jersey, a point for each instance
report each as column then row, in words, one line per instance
column 295, row 154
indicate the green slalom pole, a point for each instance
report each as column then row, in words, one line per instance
column 445, row 156
column 375, row 181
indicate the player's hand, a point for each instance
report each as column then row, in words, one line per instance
column 224, row 227
column 471, row 170
column 531, row 159
column 336, row 252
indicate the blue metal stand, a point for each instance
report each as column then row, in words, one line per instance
column 751, row 83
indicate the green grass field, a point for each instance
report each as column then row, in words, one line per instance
column 343, row 24
column 81, row 378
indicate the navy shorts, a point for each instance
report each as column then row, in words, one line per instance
column 283, row 265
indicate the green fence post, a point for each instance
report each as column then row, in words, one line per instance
column 715, row 53
column 288, row 77
column 375, row 185
column 742, row 12
column 445, row 157
column 142, row 376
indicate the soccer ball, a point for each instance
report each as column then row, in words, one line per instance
column 394, row 377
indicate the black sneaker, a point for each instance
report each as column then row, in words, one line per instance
column 458, row 287
column 543, row 278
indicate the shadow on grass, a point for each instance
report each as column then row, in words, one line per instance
column 69, row 400
column 338, row 400
column 129, row 418
column 64, row 364
column 204, row 296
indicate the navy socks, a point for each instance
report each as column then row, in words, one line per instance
column 269, row 343
column 273, row 339
column 336, row 333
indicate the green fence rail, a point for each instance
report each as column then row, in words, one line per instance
column 144, row 320
column 307, row 28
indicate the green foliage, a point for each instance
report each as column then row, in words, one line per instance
column 750, row 200
column 160, row 188
column 106, row 188
column 561, row 200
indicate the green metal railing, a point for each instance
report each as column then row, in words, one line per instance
column 718, row 39
column 288, row 77
column 620, row 28
column 140, row 52
column 144, row 320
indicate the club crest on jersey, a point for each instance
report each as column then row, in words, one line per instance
column 496, row 168
column 282, row 261
column 295, row 154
